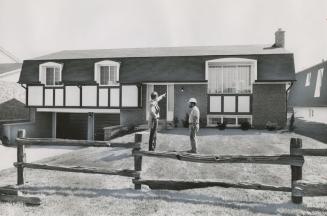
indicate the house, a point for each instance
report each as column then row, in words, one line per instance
column 12, row 94
column 83, row 91
column 308, row 97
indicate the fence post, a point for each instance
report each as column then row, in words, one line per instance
column 137, row 159
column 21, row 157
column 296, row 170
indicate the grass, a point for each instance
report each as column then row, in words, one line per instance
column 84, row 194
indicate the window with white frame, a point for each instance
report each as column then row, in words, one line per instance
column 106, row 73
column 308, row 79
column 50, row 73
column 319, row 82
column 227, row 76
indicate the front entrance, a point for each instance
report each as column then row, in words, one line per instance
column 162, row 89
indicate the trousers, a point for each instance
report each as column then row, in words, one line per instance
column 193, row 138
column 153, row 134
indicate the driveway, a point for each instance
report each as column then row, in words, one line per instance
column 313, row 130
column 8, row 155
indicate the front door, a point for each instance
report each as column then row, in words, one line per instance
column 162, row 89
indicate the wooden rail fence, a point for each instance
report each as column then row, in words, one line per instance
column 299, row 188
column 295, row 160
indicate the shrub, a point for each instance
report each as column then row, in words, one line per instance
column 4, row 140
column 271, row 126
column 176, row 122
column 203, row 122
column 291, row 127
column 185, row 121
column 245, row 125
column 221, row 126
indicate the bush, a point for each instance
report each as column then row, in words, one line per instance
column 221, row 126
column 203, row 122
column 245, row 125
column 291, row 127
column 176, row 122
column 271, row 126
column 185, row 121
column 4, row 140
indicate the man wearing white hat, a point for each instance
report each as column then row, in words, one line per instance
column 194, row 120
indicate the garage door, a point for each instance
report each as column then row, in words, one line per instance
column 72, row 126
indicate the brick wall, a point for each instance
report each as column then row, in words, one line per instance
column 269, row 104
column 198, row 91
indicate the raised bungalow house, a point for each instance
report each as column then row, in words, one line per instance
column 85, row 90
column 308, row 97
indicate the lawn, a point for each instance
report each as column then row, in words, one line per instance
column 85, row 194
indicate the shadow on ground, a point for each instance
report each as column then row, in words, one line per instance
column 313, row 130
column 215, row 131
column 173, row 196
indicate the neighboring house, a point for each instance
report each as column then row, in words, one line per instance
column 12, row 94
column 86, row 90
column 308, row 97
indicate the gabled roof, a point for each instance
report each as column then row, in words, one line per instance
column 4, row 68
column 303, row 96
column 165, row 52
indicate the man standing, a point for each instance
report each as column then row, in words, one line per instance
column 194, row 120
column 154, row 114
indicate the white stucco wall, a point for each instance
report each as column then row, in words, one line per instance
column 314, row 114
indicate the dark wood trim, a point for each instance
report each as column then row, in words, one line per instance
column 54, row 96
column 139, row 94
column 80, row 96
column 26, row 96
column 120, row 95
column 64, row 96
column 97, row 96
column 223, row 102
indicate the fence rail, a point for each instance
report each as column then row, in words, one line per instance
column 78, row 169
column 299, row 188
column 69, row 142
column 21, row 163
column 273, row 159
column 170, row 184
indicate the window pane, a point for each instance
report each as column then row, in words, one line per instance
column 229, row 79
column 57, row 76
column 214, row 79
column 231, row 121
column 244, row 79
column 113, row 74
column 104, row 75
column 49, row 76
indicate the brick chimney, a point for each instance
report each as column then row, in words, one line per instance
column 280, row 38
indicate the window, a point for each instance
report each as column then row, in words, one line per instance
column 230, row 76
column 107, row 73
column 319, row 82
column 308, row 79
column 50, row 73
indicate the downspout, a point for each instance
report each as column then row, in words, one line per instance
column 287, row 91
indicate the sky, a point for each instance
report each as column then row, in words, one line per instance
column 31, row 28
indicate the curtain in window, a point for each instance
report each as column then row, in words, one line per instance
column 229, row 79
column 113, row 74
column 243, row 79
column 104, row 75
column 50, row 76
